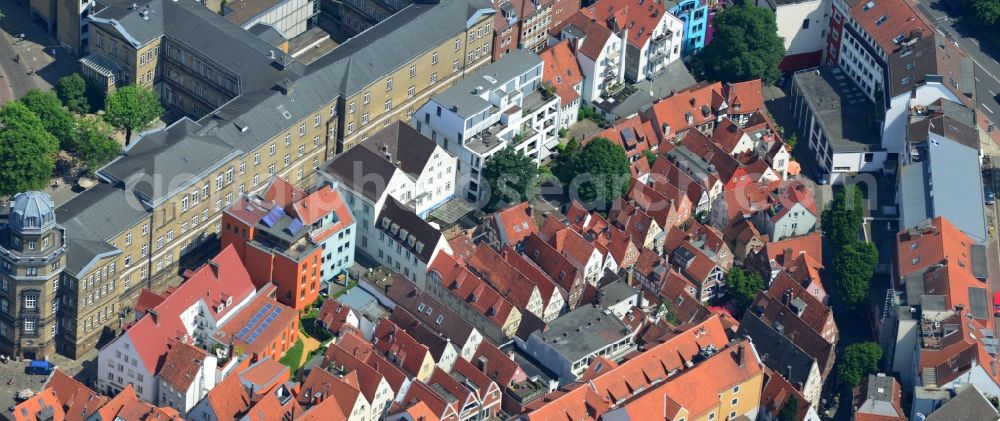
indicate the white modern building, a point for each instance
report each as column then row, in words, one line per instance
column 655, row 36
column 839, row 122
column 599, row 50
column 191, row 314
column 499, row 106
column 803, row 25
column 289, row 17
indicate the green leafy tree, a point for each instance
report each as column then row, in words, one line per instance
column 72, row 91
column 606, row 165
column 853, row 267
column 791, row 141
column 565, row 162
column 745, row 46
column 791, row 409
column 650, row 157
column 842, row 220
column 131, row 108
column 27, row 150
column 509, row 174
column 54, row 117
column 986, row 13
column 857, row 361
column 743, row 286
column 94, row 143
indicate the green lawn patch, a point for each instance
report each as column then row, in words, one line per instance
column 308, row 327
column 350, row 284
column 293, row 356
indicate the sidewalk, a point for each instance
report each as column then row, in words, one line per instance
column 42, row 61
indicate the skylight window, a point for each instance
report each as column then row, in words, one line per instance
column 868, row 6
column 881, row 20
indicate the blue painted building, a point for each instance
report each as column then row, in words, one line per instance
column 694, row 14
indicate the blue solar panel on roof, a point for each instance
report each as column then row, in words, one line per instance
column 294, row 227
column 273, row 216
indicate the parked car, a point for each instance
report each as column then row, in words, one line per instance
column 40, row 367
column 822, row 177
column 988, row 193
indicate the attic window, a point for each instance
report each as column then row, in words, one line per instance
column 524, row 225
column 881, row 20
column 558, row 79
column 914, row 246
column 899, row 38
column 868, row 6
column 915, row 260
column 439, row 319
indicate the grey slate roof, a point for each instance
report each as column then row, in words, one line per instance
column 407, row 149
column 838, row 105
column 946, row 181
column 880, row 392
column 777, row 351
column 386, row 47
column 396, row 217
column 564, row 333
column 268, row 34
column 969, row 404
column 93, row 217
column 164, row 162
column 463, row 99
column 362, row 170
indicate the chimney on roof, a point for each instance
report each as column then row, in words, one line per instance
column 739, row 355
column 212, row 264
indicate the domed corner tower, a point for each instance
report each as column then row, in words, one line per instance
column 32, row 257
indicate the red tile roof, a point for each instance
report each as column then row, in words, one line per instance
column 127, row 406
column 368, row 377
column 639, row 16
column 930, row 243
column 635, row 135
column 282, row 192
column 265, row 375
column 547, row 287
column 498, row 365
column 76, row 398
column 656, row 369
column 717, row 374
column 31, row 409
column 502, row 276
column 562, row 70
column 437, row 405
column 791, row 193
column 728, row 135
column 784, row 289
column 224, row 276
column 571, row 244
column 147, row 300
column 229, row 398
column 777, row 393
column 182, row 364
column 597, row 34
column 471, row 289
column 516, row 222
column 283, row 318
column 888, row 19
column 333, row 314
column 321, row 203
column 744, row 97
column 554, row 264
column 321, row 386
column 698, row 104
column 810, row 244
column 399, row 347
